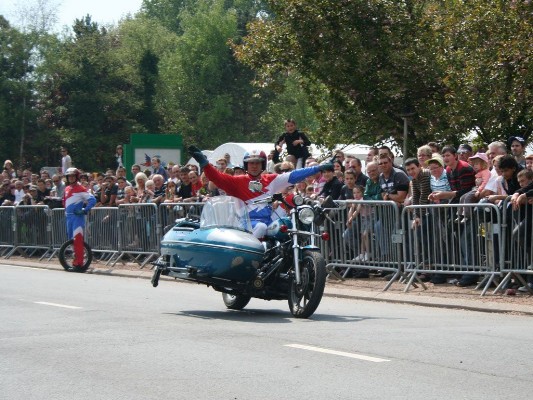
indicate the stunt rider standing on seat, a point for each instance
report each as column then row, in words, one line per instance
column 254, row 185
column 77, row 202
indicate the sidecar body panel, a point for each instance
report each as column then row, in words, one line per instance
column 215, row 252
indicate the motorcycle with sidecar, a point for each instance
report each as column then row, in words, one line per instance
column 219, row 250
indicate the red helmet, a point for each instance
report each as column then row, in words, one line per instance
column 254, row 155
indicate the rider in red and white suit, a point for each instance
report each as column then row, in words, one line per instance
column 253, row 185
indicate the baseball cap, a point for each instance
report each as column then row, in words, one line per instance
column 481, row 156
column 436, row 158
column 517, row 138
column 464, row 148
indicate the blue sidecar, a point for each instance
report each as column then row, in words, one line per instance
column 220, row 246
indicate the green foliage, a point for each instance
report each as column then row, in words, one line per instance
column 485, row 50
column 16, row 99
column 367, row 63
column 87, row 100
column 207, row 95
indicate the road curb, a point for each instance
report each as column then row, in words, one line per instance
column 353, row 294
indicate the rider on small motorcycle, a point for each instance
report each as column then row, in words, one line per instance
column 254, row 185
column 77, row 202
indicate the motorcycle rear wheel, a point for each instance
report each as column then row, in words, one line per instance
column 66, row 257
column 235, row 301
column 305, row 297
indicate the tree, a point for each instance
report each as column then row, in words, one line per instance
column 16, row 97
column 205, row 94
column 485, row 50
column 87, row 100
column 368, row 63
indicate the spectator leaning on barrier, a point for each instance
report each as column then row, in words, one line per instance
column 349, row 184
column 332, row 187
column 42, row 191
column 394, row 183
column 159, row 189
column 480, row 163
column 420, row 187
column 496, row 149
column 185, row 190
column 108, row 194
column 460, row 177
column 494, row 185
column 372, row 187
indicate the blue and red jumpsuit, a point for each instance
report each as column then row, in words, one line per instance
column 77, row 202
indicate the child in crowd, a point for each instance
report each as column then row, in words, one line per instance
column 170, row 192
column 529, row 162
column 310, row 192
column 480, row 163
column 364, row 213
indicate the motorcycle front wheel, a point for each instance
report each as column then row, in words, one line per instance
column 235, row 301
column 66, row 257
column 305, row 297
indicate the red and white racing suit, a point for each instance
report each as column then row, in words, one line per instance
column 238, row 186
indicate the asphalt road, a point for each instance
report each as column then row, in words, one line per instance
column 80, row 336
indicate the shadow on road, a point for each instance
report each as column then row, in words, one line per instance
column 263, row 316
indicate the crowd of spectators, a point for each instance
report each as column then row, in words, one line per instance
column 436, row 176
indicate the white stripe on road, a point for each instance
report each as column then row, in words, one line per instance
column 44, row 303
column 337, row 353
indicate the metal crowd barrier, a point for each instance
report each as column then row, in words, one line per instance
column 32, row 230
column 444, row 243
column 496, row 241
column 7, row 229
column 170, row 212
column 517, row 253
column 102, row 232
column 59, row 230
column 139, row 232
column 372, row 242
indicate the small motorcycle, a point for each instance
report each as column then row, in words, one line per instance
column 219, row 250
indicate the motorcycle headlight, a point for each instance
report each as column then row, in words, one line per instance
column 306, row 215
column 298, row 200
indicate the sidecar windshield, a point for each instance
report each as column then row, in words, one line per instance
column 225, row 212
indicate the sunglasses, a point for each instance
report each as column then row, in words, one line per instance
column 285, row 170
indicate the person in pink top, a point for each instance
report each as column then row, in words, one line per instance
column 480, row 163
